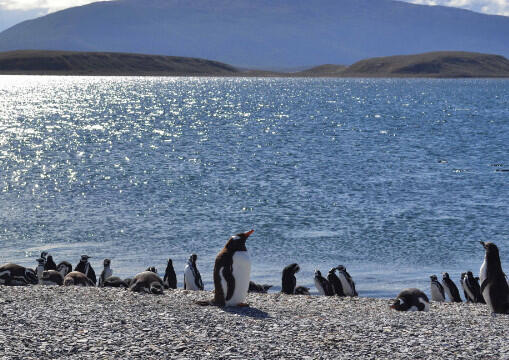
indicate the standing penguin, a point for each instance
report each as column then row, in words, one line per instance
column 232, row 270
column 40, row 267
column 450, row 288
column 335, row 283
column 472, row 284
column 494, row 287
column 346, row 281
column 288, row 280
column 170, row 278
column 437, row 290
column 85, row 268
column 192, row 277
column 322, row 285
column 106, row 273
column 411, row 300
column 50, row 264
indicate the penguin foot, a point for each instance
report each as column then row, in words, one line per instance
column 243, row 305
column 206, row 303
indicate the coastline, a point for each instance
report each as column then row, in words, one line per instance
column 94, row 323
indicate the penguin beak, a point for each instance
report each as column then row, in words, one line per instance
column 248, row 233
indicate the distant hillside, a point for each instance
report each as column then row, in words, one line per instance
column 434, row 64
column 263, row 34
column 94, row 63
column 327, row 70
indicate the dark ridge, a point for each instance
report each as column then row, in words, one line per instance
column 104, row 63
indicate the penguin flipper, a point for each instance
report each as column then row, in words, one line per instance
column 230, row 281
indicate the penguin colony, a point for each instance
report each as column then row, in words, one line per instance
column 232, row 279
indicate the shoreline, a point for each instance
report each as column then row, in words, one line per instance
column 92, row 323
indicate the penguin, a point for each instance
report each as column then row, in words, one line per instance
column 232, row 270
column 50, row 264
column 464, row 287
column 44, row 254
column 41, row 262
column 77, row 278
column 288, row 280
column 115, row 281
column 472, row 284
column 494, row 287
column 192, row 277
column 411, row 300
column 437, row 290
column 147, row 282
column 52, row 277
column 106, row 273
column 257, row 288
column 14, row 274
column 85, row 268
column 152, row 269
column 170, row 278
column 302, row 290
column 346, row 281
column 335, row 283
column 64, row 268
column 450, row 288
column 322, row 285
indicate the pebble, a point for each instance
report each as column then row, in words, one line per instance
column 96, row 323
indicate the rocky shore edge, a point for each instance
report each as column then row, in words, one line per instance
column 42, row 322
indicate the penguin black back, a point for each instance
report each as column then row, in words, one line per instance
column 494, row 287
column 335, row 283
column 473, row 284
column 170, row 278
column 50, row 264
column 450, row 288
column 411, row 300
column 288, row 280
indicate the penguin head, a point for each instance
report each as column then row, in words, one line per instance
column 152, row 269
column 156, row 288
column 445, row 275
column 193, row 258
column 341, row 268
column 470, row 275
column 399, row 304
column 31, row 276
column 318, row 273
column 170, row 263
column 41, row 261
column 463, row 275
column 106, row 262
column 84, row 258
column 433, row 278
column 491, row 248
column 44, row 254
column 238, row 242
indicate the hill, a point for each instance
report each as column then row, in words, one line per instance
column 267, row 34
column 434, row 64
column 95, row 63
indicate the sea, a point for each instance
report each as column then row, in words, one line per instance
column 396, row 179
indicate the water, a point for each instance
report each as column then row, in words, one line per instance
column 395, row 179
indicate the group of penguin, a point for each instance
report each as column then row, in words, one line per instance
column 231, row 276
column 493, row 290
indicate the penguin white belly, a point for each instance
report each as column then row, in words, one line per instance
column 448, row 292
column 467, row 290
column 189, row 279
column 319, row 287
column 425, row 303
column 483, row 272
column 241, row 273
column 347, row 288
column 436, row 295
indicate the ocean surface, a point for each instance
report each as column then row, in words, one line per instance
column 396, row 179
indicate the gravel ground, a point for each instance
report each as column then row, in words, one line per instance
column 40, row 322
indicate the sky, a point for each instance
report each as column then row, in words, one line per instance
column 14, row 11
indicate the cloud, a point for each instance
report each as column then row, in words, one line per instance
column 46, row 6
column 496, row 7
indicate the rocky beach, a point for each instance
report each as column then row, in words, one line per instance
column 38, row 322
